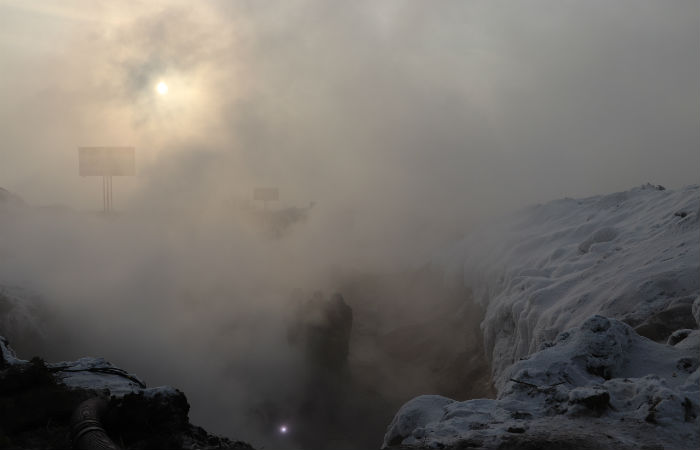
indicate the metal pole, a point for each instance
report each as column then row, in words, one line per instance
column 104, row 193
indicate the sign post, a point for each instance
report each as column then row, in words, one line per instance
column 106, row 162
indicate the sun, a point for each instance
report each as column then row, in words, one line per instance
column 162, row 88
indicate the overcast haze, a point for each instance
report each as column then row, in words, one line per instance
column 381, row 106
column 408, row 123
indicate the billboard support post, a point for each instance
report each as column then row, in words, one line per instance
column 107, row 193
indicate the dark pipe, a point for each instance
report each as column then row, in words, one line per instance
column 86, row 429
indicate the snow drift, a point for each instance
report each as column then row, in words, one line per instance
column 589, row 305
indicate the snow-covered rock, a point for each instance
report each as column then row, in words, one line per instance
column 633, row 256
column 90, row 373
column 594, row 380
column 8, row 356
column 98, row 374
column 592, row 309
column 37, row 399
column 415, row 415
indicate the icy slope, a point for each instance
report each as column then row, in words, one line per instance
column 595, row 387
column 568, row 287
column 632, row 255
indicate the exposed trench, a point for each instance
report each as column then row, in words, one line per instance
column 411, row 335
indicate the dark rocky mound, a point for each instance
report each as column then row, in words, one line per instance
column 36, row 409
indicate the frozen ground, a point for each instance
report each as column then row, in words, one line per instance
column 583, row 301
column 91, row 373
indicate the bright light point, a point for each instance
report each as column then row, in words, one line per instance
column 162, row 88
column 283, row 429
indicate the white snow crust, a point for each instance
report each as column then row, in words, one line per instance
column 561, row 283
column 90, row 373
column 548, row 267
column 8, row 355
column 97, row 374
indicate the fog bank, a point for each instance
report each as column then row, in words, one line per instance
column 390, row 129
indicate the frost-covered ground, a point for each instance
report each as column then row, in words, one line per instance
column 583, row 301
column 91, row 373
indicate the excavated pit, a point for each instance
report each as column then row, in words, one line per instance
column 412, row 334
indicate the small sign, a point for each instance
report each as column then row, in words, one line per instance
column 266, row 194
column 106, row 161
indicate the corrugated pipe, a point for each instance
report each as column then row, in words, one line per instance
column 87, row 431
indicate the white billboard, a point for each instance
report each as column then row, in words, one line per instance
column 106, row 161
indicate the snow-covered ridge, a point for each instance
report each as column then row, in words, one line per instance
column 595, row 381
column 568, row 288
column 90, row 373
column 630, row 255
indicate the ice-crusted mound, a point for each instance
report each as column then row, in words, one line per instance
column 592, row 310
column 88, row 373
column 599, row 347
column 415, row 415
column 632, row 255
column 37, row 400
column 597, row 386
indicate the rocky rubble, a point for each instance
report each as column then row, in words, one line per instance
column 38, row 398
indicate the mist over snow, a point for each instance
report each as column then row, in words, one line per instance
column 393, row 130
column 576, row 291
column 544, row 269
column 436, row 116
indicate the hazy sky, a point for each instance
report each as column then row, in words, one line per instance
column 434, row 113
